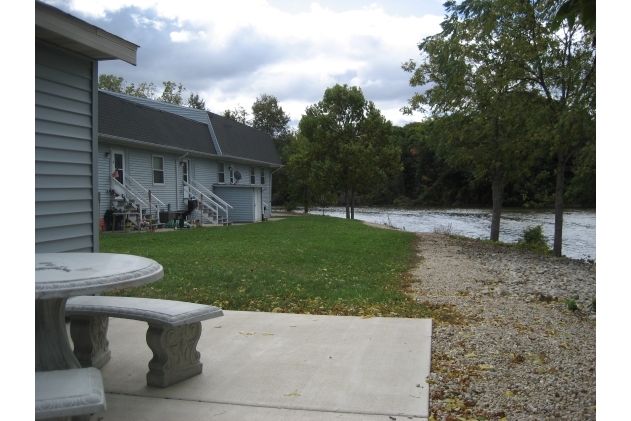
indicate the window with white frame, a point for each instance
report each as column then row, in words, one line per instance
column 252, row 176
column 158, row 169
column 262, row 175
column 231, row 174
column 221, row 176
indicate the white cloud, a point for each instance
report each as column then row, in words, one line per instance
column 231, row 52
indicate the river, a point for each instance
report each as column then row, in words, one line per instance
column 579, row 226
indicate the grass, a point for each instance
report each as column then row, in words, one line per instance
column 306, row 264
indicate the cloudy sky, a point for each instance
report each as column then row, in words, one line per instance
column 230, row 52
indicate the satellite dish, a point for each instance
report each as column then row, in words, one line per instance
column 237, row 176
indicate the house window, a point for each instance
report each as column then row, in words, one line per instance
column 252, row 176
column 262, row 175
column 158, row 170
column 221, row 177
column 231, row 174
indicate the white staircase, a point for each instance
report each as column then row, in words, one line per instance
column 213, row 209
column 132, row 197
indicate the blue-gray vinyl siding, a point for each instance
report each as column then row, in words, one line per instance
column 242, row 201
column 138, row 163
column 65, row 140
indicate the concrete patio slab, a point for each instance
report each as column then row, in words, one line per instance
column 279, row 366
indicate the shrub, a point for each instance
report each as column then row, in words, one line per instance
column 534, row 239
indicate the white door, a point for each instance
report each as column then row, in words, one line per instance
column 186, row 176
column 258, row 205
column 117, row 165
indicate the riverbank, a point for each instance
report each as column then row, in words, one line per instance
column 514, row 350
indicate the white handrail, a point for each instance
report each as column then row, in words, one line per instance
column 209, row 193
column 211, row 203
column 128, row 177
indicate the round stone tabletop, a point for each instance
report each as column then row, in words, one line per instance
column 59, row 275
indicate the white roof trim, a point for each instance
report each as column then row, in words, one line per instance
column 65, row 30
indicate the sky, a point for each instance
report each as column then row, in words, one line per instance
column 231, row 52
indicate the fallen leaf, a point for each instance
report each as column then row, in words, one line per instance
column 241, row 289
column 267, row 334
column 246, row 333
column 431, row 418
column 503, row 419
column 484, row 366
column 367, row 316
column 471, row 355
column 276, row 310
column 537, row 361
column 509, row 393
column 294, row 393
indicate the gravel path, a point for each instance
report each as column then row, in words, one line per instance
column 515, row 351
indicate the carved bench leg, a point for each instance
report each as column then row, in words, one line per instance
column 175, row 356
column 89, row 336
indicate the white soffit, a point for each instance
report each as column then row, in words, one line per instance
column 65, row 30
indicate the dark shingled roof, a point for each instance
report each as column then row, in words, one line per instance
column 129, row 120
column 239, row 140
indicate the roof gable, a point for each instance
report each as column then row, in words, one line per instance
column 239, row 140
column 229, row 138
column 133, row 121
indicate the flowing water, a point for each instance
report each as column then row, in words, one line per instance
column 579, row 226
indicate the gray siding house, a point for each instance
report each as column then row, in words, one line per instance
column 67, row 51
column 155, row 158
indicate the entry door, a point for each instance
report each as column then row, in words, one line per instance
column 117, row 165
column 258, row 205
column 186, row 176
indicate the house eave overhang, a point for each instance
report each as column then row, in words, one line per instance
column 67, row 31
column 126, row 141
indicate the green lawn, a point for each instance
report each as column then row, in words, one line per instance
column 302, row 264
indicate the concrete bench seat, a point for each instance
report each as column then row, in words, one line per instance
column 174, row 330
column 63, row 394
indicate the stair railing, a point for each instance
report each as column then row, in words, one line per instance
column 217, row 202
column 140, row 195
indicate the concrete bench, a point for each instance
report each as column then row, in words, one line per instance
column 62, row 394
column 174, row 330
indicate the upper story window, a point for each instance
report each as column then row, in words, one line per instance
column 252, row 176
column 221, row 176
column 158, row 170
column 262, row 175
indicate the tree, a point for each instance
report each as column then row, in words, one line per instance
column 495, row 57
column 194, row 101
column 172, row 93
column 570, row 10
column 348, row 144
column 269, row 117
column 112, row 83
column 238, row 114
column 480, row 110
column 118, row 84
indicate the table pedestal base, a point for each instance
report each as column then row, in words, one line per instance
column 89, row 336
column 52, row 349
column 175, row 355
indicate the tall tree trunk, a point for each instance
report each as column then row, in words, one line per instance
column 353, row 203
column 348, row 214
column 558, row 205
column 498, row 192
column 307, row 200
